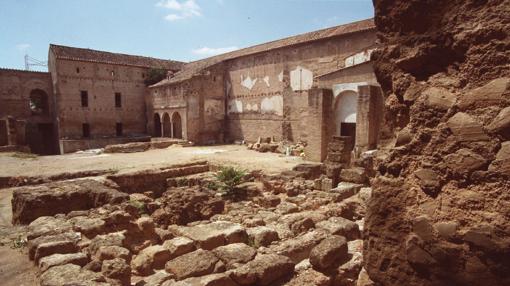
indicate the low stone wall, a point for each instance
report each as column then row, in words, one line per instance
column 143, row 146
column 30, row 203
column 155, row 180
column 73, row 145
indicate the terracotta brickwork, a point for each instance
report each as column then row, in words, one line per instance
column 278, row 89
column 104, row 91
column 26, row 97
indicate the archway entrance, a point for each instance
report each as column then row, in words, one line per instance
column 39, row 102
column 345, row 114
column 177, row 125
column 157, row 125
column 167, row 126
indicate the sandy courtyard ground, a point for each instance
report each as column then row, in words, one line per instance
column 224, row 154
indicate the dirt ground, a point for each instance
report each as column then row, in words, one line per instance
column 224, row 154
column 15, row 267
column 17, row 270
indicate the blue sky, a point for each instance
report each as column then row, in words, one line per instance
column 183, row 30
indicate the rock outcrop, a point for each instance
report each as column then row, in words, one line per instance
column 440, row 209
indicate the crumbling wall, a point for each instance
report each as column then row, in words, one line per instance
column 440, row 209
column 267, row 93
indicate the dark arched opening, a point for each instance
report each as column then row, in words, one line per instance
column 39, row 102
column 177, row 125
column 157, row 125
column 167, row 126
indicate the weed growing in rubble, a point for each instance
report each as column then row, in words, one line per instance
column 229, row 178
column 19, row 242
column 139, row 205
column 22, row 155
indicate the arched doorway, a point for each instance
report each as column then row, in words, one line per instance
column 177, row 125
column 346, row 108
column 157, row 125
column 167, row 126
column 39, row 102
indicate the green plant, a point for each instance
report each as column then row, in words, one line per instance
column 229, row 178
column 212, row 186
column 22, row 155
column 139, row 205
column 19, row 242
column 154, row 76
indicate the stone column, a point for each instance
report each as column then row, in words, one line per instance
column 368, row 118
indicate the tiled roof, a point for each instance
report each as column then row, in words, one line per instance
column 79, row 54
column 21, row 71
column 193, row 68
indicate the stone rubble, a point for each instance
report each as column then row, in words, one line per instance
column 288, row 233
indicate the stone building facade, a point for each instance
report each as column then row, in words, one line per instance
column 27, row 111
column 100, row 96
column 304, row 88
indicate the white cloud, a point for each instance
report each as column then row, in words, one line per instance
column 206, row 51
column 22, row 47
column 182, row 9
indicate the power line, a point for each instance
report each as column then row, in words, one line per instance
column 31, row 62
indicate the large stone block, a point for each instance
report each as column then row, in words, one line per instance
column 466, row 128
column 439, row 98
column 29, row 203
column 489, row 94
column 502, row 162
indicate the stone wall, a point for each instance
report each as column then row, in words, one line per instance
column 16, row 90
column 101, row 81
column 440, row 206
column 200, row 103
column 256, row 85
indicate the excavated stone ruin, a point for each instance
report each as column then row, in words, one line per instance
column 172, row 226
column 440, row 210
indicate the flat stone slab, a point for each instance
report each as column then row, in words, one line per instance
column 30, row 203
column 215, row 234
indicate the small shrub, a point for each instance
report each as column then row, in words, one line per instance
column 212, row 186
column 229, row 178
column 154, row 76
column 22, row 155
column 19, row 242
column 139, row 205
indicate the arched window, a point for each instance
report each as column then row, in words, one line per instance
column 39, row 102
column 177, row 125
column 346, row 108
column 167, row 126
column 157, row 125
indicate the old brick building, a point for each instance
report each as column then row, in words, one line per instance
column 88, row 99
column 100, row 96
column 27, row 111
column 302, row 88
column 307, row 88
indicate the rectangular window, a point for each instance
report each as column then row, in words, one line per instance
column 84, row 98
column 85, row 130
column 118, row 99
column 118, row 129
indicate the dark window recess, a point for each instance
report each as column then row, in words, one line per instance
column 84, row 98
column 118, row 129
column 77, row 70
column 118, row 99
column 85, row 130
column 348, row 129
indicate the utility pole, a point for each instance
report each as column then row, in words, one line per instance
column 31, row 62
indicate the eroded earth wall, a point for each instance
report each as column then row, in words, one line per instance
column 441, row 202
